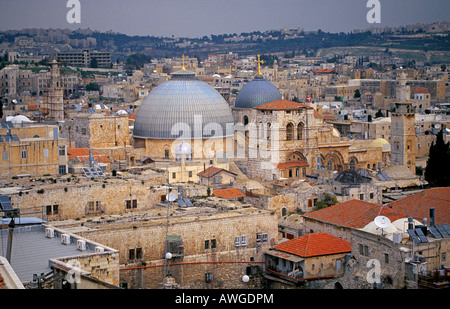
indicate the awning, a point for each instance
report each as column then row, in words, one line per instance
column 285, row 256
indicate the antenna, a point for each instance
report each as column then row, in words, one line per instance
column 382, row 222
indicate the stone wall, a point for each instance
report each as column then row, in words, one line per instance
column 225, row 261
column 75, row 200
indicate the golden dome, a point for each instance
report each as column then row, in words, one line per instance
column 381, row 143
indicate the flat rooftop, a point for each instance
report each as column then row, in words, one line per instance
column 32, row 250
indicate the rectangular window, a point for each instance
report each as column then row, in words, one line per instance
column 5, row 156
column 131, row 254
column 24, row 154
column 62, row 169
column 55, row 209
column 128, row 204
column 138, row 253
column 190, row 174
column 48, row 210
column 213, row 243
column 134, row 203
column 206, row 244
column 262, row 238
column 386, row 258
column 243, row 240
column 91, row 206
column 62, row 151
column 174, row 175
column 83, row 131
column 46, row 153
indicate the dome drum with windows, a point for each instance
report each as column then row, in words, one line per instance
column 181, row 109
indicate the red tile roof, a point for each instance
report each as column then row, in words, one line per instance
column 211, row 171
column 315, row 244
column 418, row 205
column 83, row 154
column 324, row 71
column 352, row 214
column 282, row 104
column 419, row 90
column 289, row 164
column 228, row 193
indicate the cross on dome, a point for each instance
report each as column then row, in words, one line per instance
column 259, row 62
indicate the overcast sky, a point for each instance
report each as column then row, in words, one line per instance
column 195, row 18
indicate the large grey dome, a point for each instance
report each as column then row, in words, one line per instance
column 257, row 92
column 173, row 106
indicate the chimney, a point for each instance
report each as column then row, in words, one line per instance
column 431, row 216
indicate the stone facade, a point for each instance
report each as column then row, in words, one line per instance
column 209, row 246
column 54, row 97
column 109, row 135
column 85, row 198
column 38, row 151
column 403, row 136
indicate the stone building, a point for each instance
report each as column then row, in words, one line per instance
column 187, row 110
column 54, row 96
column 403, row 135
column 106, row 134
column 310, row 257
column 392, row 248
column 210, row 247
column 55, row 255
column 72, row 198
column 349, row 185
column 32, row 149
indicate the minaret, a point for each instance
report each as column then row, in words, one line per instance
column 403, row 135
column 55, row 101
column 275, row 70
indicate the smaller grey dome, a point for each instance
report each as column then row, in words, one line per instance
column 257, row 92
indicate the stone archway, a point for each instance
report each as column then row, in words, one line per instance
column 296, row 156
column 334, row 161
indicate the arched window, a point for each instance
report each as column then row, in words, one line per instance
column 300, row 128
column 330, row 165
column 283, row 211
column 290, row 132
column 245, row 120
column 352, row 165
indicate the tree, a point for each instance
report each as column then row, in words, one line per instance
column 357, row 94
column 92, row 87
column 437, row 172
column 136, row 61
column 326, row 201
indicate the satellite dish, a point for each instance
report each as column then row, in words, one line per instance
column 171, row 197
column 382, row 222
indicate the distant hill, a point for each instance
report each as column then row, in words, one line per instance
column 296, row 41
